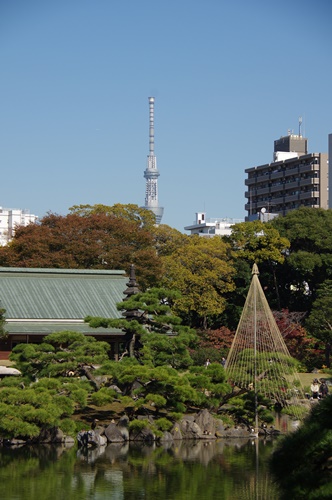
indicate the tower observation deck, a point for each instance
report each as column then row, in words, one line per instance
column 151, row 172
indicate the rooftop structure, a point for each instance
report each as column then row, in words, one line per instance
column 10, row 219
column 295, row 178
column 43, row 301
column 151, row 172
column 211, row 227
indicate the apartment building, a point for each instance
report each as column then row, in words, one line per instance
column 10, row 219
column 295, row 178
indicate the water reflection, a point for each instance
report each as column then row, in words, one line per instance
column 223, row 469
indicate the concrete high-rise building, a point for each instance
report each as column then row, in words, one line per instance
column 295, row 178
column 10, row 219
column 151, row 172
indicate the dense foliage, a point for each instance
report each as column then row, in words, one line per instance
column 202, row 271
column 149, row 322
column 59, row 378
column 98, row 238
column 208, row 277
column 302, row 461
column 3, row 331
column 308, row 262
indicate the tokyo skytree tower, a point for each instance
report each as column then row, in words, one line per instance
column 151, row 172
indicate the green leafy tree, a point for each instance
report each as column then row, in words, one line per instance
column 146, row 384
column 210, row 382
column 61, row 353
column 50, row 389
column 309, row 258
column 319, row 322
column 160, row 350
column 236, row 298
column 3, row 331
column 301, row 461
column 261, row 243
column 154, row 334
column 202, row 271
column 168, row 240
column 258, row 242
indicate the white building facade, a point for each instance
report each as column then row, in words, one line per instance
column 212, row 226
column 10, row 219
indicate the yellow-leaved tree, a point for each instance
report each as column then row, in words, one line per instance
column 202, row 271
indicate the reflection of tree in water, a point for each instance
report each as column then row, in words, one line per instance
column 224, row 469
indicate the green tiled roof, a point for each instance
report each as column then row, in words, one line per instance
column 44, row 328
column 60, row 294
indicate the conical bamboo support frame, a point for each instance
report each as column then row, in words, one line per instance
column 259, row 359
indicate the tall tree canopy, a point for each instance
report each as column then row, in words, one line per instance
column 309, row 258
column 153, row 333
column 258, row 242
column 261, row 243
column 319, row 323
column 168, row 240
column 88, row 238
column 131, row 212
column 202, row 271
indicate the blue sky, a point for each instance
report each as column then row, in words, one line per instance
column 228, row 77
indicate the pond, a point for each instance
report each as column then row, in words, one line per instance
column 223, row 469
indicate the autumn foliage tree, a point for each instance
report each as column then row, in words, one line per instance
column 300, row 344
column 212, row 344
column 87, row 238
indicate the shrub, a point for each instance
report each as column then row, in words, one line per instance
column 103, row 397
column 163, row 424
column 68, row 426
column 137, row 425
column 175, row 416
column 158, row 400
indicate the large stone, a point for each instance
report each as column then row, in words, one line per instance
column 123, row 427
column 15, row 443
column 176, row 432
column 236, row 432
column 207, row 424
column 190, row 430
column 115, row 388
column 90, row 439
column 166, row 437
column 145, row 435
column 113, row 434
column 52, row 435
column 219, row 427
column 68, row 441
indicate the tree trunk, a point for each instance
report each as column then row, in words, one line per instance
column 86, row 371
column 132, row 346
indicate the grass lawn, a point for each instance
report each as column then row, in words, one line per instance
column 307, row 378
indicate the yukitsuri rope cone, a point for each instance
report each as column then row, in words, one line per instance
column 259, row 359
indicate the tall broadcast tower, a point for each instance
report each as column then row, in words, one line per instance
column 151, row 172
